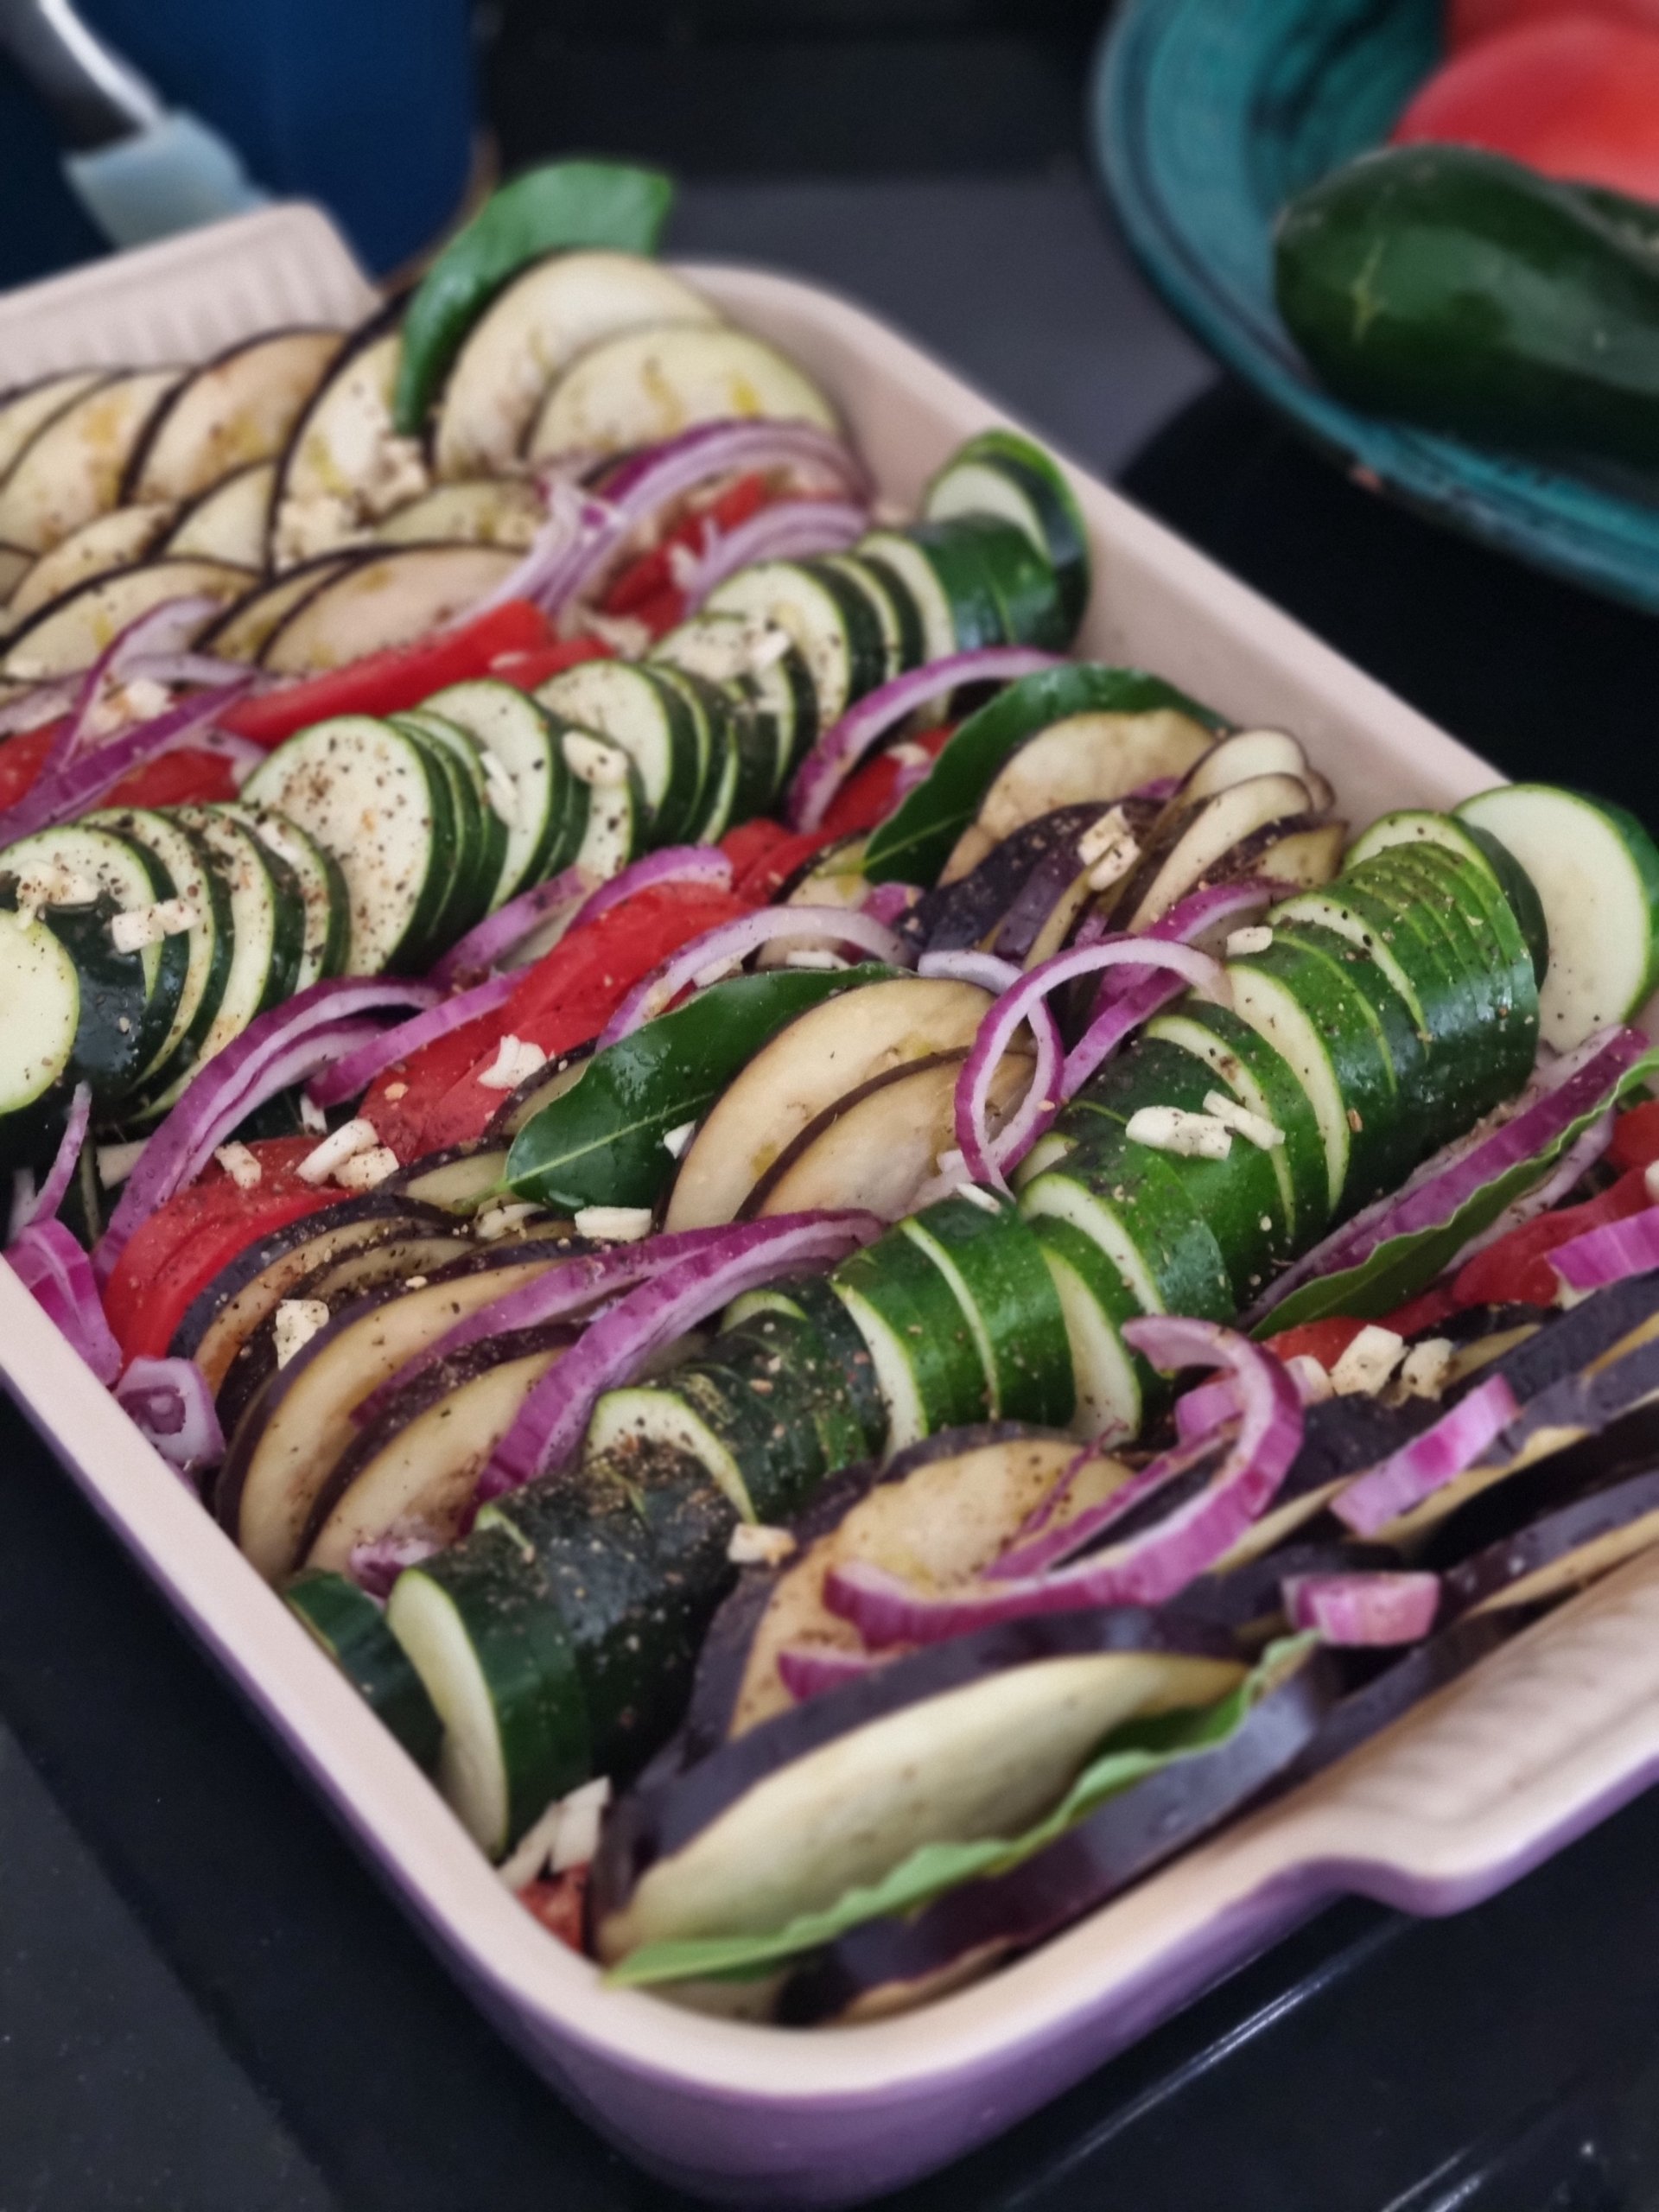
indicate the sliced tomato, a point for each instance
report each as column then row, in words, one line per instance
column 177, row 1252
column 1325, row 1341
column 764, row 879
column 1468, row 22
column 750, row 842
column 650, row 579
column 524, row 670
column 559, row 1904
column 1515, row 1270
column 870, row 793
column 387, row 683
column 1422, row 1312
column 1635, row 1137
column 400, row 1100
column 188, row 777
column 21, row 758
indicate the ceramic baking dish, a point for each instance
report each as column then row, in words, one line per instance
column 1546, row 1736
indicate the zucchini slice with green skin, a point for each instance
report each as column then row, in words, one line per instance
column 994, row 1267
column 467, row 872
column 479, row 1627
column 793, row 1354
column 327, row 949
column 600, row 1142
column 760, row 665
column 351, row 1629
column 632, row 1552
column 268, row 921
column 896, row 611
column 811, row 1299
column 377, row 800
column 514, row 731
column 1261, row 1080
column 1484, row 909
column 1000, row 473
column 1022, row 581
column 954, row 604
column 487, row 829
column 1596, row 871
column 831, row 620
column 1114, row 1387
column 124, row 875
column 184, row 854
column 40, row 1022
column 1469, row 842
column 653, row 722
column 1421, row 1080
column 927, row 1359
column 1129, row 1200
column 733, row 727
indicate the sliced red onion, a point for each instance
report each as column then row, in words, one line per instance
column 704, row 864
column 61, row 796
column 1057, row 1540
column 353, row 1071
column 1610, row 1253
column 1569, row 1170
column 1561, row 1092
column 989, row 1161
column 579, row 532
column 808, row 1670
column 1433, row 1456
column 505, row 930
column 1147, row 1568
column 1129, row 1009
column 40, row 704
column 1011, row 1142
column 788, row 530
column 1211, row 911
column 733, row 941
column 43, row 1204
column 551, row 1423
column 568, row 1287
column 52, row 1267
column 649, row 479
column 171, row 1401
column 985, row 969
column 890, row 902
column 1199, row 1411
column 1354, row 1610
column 1157, row 791
column 178, row 669
column 376, row 1564
column 839, row 750
column 277, row 1048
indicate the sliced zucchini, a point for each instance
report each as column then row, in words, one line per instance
column 1596, row 873
column 648, row 384
column 927, row 1359
column 1474, row 845
column 351, row 1629
column 325, row 949
column 238, row 408
column 655, row 723
column 268, row 921
column 812, row 1300
column 230, row 521
column 116, row 540
column 551, row 312
column 1112, row 1386
column 376, row 800
column 995, row 1268
column 831, row 621
column 481, row 834
column 70, row 633
column 71, row 468
column 205, row 945
column 752, row 1433
column 390, row 599
column 1129, row 1200
column 513, row 731
column 106, row 1004
column 1022, row 583
column 40, row 1018
column 1000, row 473
column 894, row 607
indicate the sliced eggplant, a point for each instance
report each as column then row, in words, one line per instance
column 290, row 1438
column 972, row 1738
column 391, row 598
column 69, row 633
column 942, row 1512
column 649, row 385
column 30, row 407
column 415, row 1469
column 238, row 408
column 812, row 1062
column 457, row 1180
column 477, row 510
column 1563, row 1552
column 1205, row 841
column 15, row 565
column 72, row 468
column 530, row 333
column 1085, row 759
column 1306, row 857
column 116, row 540
column 230, row 521
column 879, row 1144
column 241, row 631
column 1235, row 759
column 990, row 902
column 345, row 465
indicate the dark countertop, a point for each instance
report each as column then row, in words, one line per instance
column 206, row 2003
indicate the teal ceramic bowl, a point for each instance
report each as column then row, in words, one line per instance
column 1207, row 116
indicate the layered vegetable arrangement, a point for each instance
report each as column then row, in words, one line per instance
column 847, row 1382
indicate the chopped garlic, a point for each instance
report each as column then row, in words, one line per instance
column 808, row 956
column 140, row 699
column 716, row 972
column 1650, row 1180
column 116, row 1161
column 349, row 1138
column 49, row 883
column 613, row 1225
column 141, row 925
column 1368, row 1363
column 298, row 1319
column 500, row 788
column 1256, row 1127
column 497, row 1220
column 1427, row 1367
column 754, row 1544
column 676, row 1140
column 311, row 1115
column 909, row 755
column 1242, row 942
column 395, row 1091
column 1170, row 1128
column 1109, row 849
column 976, row 1195
column 365, row 1169
column 566, row 1835
column 1313, row 1383
column 516, row 1058
column 239, row 1165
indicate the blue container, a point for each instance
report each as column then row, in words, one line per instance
column 365, row 105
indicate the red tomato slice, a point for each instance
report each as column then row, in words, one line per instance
column 188, row 777
column 1635, row 1137
column 765, row 878
column 870, row 793
column 1325, row 1341
column 1575, row 97
column 1516, row 1270
column 1468, row 22
column 20, row 760
column 400, row 1100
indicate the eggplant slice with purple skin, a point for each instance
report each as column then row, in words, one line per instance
column 970, row 1740
column 988, row 900
column 893, row 1964
column 1563, row 1552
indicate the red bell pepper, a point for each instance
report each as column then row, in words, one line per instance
column 174, row 1256
column 1325, row 1341
column 21, row 759
column 1636, row 1136
column 190, row 777
column 647, row 590
column 870, row 793
column 1575, row 97
column 1515, row 1270
column 388, row 683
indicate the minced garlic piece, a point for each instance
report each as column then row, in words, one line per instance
column 755, row 1545
column 1242, row 942
column 1170, row 1128
column 613, row 1225
column 239, row 1165
column 603, row 766
column 676, row 1140
column 141, row 925
column 1368, row 1363
column 1425, row 1367
column 351, row 1137
column 515, row 1060
column 1256, row 1127
column 363, row 1170
column 1109, row 849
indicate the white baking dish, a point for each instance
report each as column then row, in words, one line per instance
column 1543, row 1739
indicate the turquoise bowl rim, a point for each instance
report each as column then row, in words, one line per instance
column 1201, row 230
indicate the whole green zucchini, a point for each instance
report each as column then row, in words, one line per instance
column 1469, row 294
